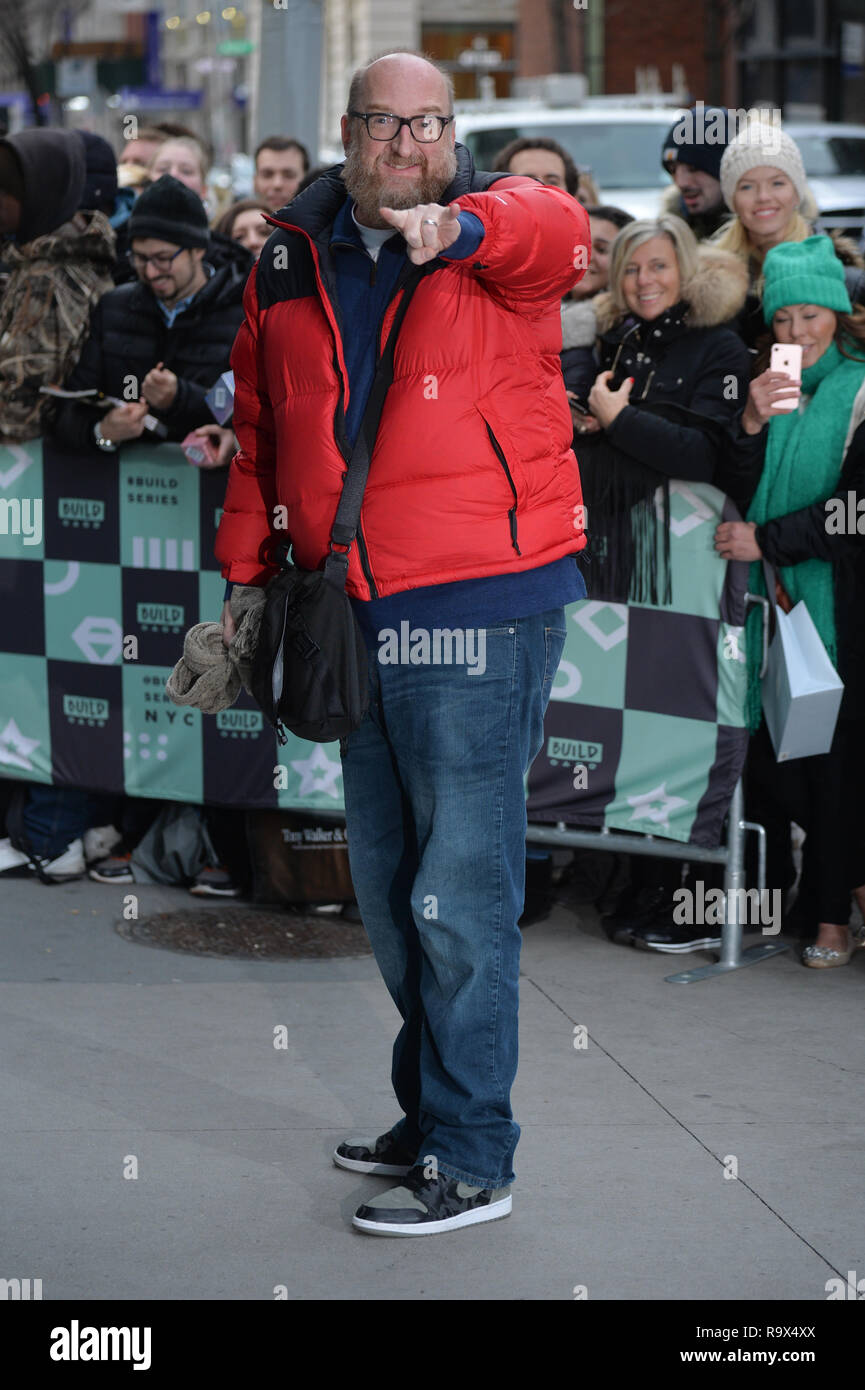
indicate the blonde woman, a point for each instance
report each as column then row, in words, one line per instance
column 764, row 184
column 669, row 378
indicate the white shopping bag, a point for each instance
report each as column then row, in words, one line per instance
column 801, row 688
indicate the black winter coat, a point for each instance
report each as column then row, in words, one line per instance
column 803, row 535
column 689, row 384
column 690, row 380
column 129, row 335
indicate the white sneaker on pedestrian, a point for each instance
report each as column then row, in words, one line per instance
column 68, row 865
column 99, row 841
column 11, row 858
column 63, row 868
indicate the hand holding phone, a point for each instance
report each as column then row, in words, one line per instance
column 773, row 391
column 786, row 358
column 581, row 418
column 200, row 450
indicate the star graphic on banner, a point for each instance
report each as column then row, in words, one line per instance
column 12, row 739
column 655, row 805
column 318, row 762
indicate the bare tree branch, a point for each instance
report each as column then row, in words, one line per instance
column 26, row 35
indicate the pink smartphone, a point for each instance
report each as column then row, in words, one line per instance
column 787, row 358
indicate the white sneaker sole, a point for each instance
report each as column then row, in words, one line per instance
column 709, row 943
column 493, row 1212
column 383, row 1170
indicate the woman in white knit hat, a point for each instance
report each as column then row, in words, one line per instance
column 763, row 182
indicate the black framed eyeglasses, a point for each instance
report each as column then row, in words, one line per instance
column 382, row 125
column 161, row 260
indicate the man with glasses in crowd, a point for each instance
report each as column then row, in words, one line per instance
column 470, row 523
column 159, row 343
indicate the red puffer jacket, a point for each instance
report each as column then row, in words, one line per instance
column 472, row 473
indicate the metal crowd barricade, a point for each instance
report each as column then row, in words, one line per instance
column 731, row 855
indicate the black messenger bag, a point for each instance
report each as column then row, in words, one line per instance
column 310, row 673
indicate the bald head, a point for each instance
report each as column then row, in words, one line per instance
column 410, row 75
column 402, row 170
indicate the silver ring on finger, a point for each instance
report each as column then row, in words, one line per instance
column 429, row 222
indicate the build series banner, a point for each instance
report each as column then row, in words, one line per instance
column 107, row 560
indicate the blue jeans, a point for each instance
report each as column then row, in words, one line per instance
column 55, row 816
column 436, row 822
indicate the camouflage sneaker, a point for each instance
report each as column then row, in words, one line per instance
column 380, row 1155
column 425, row 1206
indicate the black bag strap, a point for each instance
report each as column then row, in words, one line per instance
column 347, row 516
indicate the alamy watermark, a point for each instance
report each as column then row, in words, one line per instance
column 845, row 517
column 724, row 125
column 77, row 1343
column 22, row 516
column 713, row 907
column 437, row 646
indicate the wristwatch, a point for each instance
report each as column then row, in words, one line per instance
column 107, row 445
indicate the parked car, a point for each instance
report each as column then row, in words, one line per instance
column 622, row 147
column 834, row 159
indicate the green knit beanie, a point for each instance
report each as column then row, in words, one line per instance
column 804, row 272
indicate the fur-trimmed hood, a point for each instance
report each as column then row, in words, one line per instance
column 579, row 323
column 715, row 293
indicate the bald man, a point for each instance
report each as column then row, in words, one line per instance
column 464, row 559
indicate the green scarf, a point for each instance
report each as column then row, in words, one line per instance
column 802, row 466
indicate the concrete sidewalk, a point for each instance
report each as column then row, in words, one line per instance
column 113, row 1051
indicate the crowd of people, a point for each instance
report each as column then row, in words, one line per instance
column 120, row 264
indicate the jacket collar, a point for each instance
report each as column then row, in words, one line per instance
column 224, row 286
column 651, row 332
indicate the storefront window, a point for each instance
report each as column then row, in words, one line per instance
column 471, row 54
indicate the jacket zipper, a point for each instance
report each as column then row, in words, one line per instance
column 361, row 544
column 512, row 514
column 363, row 553
column 364, row 560
column 622, row 342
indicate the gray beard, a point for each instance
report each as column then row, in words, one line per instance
column 365, row 189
